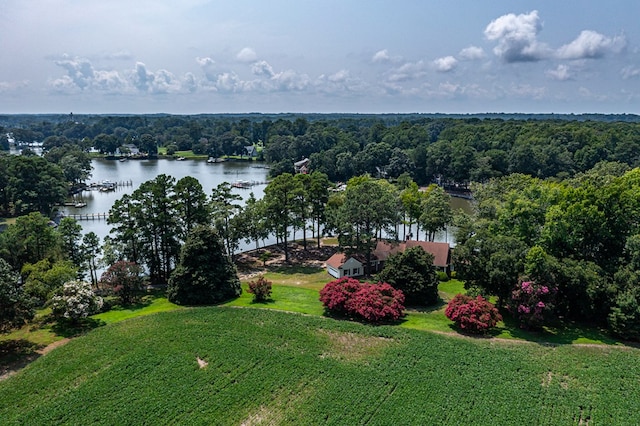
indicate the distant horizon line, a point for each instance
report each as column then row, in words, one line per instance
column 319, row 113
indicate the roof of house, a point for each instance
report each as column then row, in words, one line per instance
column 441, row 251
column 337, row 260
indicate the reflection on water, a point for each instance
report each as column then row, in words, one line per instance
column 209, row 175
column 139, row 171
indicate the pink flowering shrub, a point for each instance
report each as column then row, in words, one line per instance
column 261, row 289
column 334, row 295
column 531, row 304
column 473, row 315
column 371, row 302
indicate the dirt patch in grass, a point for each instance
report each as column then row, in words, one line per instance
column 285, row 401
column 250, row 265
column 201, row 362
column 353, row 347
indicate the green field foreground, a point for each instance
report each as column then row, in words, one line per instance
column 226, row 365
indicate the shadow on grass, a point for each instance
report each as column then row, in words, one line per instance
column 354, row 318
column 561, row 333
column 266, row 302
column 558, row 333
column 427, row 309
column 295, row 269
column 16, row 354
column 67, row 328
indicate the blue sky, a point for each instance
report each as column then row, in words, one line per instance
column 198, row 56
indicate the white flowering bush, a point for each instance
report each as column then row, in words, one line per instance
column 75, row 300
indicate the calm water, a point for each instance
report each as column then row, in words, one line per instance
column 209, row 176
column 139, row 171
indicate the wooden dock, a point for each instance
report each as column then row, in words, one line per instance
column 88, row 216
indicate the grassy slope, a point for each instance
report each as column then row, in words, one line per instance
column 281, row 368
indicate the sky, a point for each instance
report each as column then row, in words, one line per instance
column 324, row 56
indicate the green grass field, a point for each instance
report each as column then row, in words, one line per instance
column 266, row 367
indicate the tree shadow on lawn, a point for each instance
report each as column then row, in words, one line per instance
column 258, row 303
column 563, row 333
column 427, row 309
column 558, row 333
column 16, row 354
column 67, row 328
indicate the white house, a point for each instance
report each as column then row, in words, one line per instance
column 340, row 265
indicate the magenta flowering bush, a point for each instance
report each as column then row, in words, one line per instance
column 371, row 302
column 531, row 304
column 472, row 315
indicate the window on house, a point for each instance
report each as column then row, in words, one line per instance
column 347, row 272
column 356, row 271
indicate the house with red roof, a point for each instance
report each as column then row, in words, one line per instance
column 342, row 265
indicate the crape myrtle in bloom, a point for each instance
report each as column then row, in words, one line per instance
column 471, row 315
column 531, row 304
column 371, row 302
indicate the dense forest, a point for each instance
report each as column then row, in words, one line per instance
column 432, row 148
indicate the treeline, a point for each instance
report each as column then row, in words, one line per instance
column 429, row 148
column 579, row 238
column 30, row 183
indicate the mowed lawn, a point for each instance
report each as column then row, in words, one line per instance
column 224, row 365
column 296, row 289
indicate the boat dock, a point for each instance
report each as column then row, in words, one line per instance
column 245, row 184
column 88, row 216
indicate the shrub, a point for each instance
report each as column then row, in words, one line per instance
column 125, row 279
column 624, row 319
column 74, row 301
column 335, row 295
column 371, row 302
column 473, row 315
column 531, row 304
column 377, row 303
column 442, row 277
column 261, row 289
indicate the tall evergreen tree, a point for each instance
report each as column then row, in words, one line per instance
column 205, row 274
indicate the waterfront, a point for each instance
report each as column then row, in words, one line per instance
column 210, row 175
column 136, row 172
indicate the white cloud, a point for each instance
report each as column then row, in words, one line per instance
column 591, row 45
column 527, row 91
column 262, row 68
column 109, row 81
column 407, row 71
column 206, row 61
column 340, row 76
column 290, row 80
column 8, row 86
column 516, row 36
column 141, row 78
column 471, row 53
column 246, row 55
column 630, row 72
column 561, row 73
column 79, row 71
column 446, row 64
column 381, row 56
column 190, row 82
column 208, row 66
